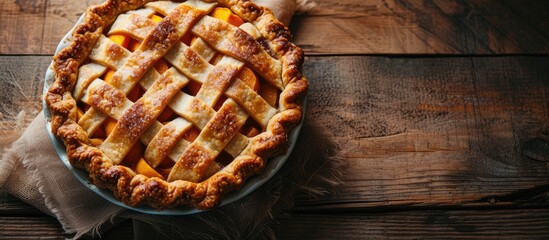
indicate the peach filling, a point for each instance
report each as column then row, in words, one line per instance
column 134, row 159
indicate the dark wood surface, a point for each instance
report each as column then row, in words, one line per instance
column 444, row 128
column 337, row 27
column 435, row 224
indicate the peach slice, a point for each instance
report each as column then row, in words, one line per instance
column 227, row 15
column 96, row 141
column 269, row 93
column 191, row 134
column 108, row 75
column 125, row 41
column 156, row 18
column 79, row 114
column 249, row 78
column 121, row 40
column 143, row 167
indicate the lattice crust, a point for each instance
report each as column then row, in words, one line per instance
column 220, row 108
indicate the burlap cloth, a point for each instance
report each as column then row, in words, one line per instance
column 31, row 170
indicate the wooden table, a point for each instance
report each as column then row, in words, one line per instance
column 443, row 107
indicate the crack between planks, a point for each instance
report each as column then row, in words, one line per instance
column 332, row 208
column 531, row 198
column 44, row 26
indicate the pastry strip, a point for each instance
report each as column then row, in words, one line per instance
column 251, row 29
column 165, row 140
column 157, row 43
column 181, row 103
column 92, row 119
column 110, row 100
column 211, row 141
column 109, row 53
column 133, row 25
column 189, row 62
column 162, row 7
column 86, row 74
column 106, row 98
column 135, row 120
column 139, row 28
column 193, row 62
column 254, row 104
column 235, row 42
column 191, row 108
column 145, row 12
column 218, row 79
column 196, row 111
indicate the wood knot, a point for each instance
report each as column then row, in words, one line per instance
column 536, row 149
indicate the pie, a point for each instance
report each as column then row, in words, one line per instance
column 173, row 104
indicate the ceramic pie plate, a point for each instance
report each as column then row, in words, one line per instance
column 252, row 183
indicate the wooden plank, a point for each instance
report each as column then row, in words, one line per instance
column 345, row 27
column 21, row 26
column 60, row 17
column 418, row 131
column 11, row 206
column 431, row 131
column 496, row 224
column 421, row 132
column 45, row 227
column 21, row 220
column 500, row 224
column 30, row 228
column 419, row 27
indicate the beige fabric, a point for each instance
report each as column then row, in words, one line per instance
column 31, row 171
column 282, row 12
column 39, row 178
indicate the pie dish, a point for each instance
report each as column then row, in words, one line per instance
column 171, row 104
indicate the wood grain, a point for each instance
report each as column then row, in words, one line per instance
column 20, row 228
column 472, row 224
column 45, row 227
column 424, row 27
column 500, row 224
column 11, row 206
column 417, row 131
column 22, row 26
column 342, row 27
column 436, row 146
column 432, row 131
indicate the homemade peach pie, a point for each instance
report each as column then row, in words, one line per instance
column 176, row 103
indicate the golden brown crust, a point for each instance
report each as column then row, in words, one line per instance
column 136, row 190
